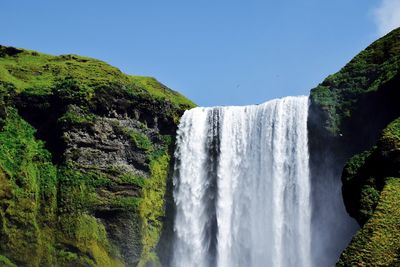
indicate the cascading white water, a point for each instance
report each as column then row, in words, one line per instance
column 242, row 186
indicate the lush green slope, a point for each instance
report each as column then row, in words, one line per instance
column 342, row 95
column 84, row 161
column 378, row 242
column 38, row 73
column 373, row 199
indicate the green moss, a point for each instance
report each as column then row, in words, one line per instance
column 42, row 207
column 132, row 179
column 339, row 94
column 354, row 165
column 19, row 148
column 47, row 210
column 66, row 257
column 160, row 91
column 72, row 90
column 88, row 235
column 72, row 117
column 140, row 140
column 373, row 200
column 77, row 227
column 40, row 73
column 30, row 69
column 29, row 196
column 152, row 205
column 378, row 242
column 390, row 137
column 368, row 200
column 77, row 192
column 5, row 262
column 362, row 183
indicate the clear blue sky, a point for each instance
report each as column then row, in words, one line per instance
column 216, row 52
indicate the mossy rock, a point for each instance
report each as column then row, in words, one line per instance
column 5, row 262
column 343, row 95
column 378, row 242
column 39, row 73
column 363, row 175
column 59, row 206
column 373, row 199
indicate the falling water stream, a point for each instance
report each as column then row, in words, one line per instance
column 242, row 186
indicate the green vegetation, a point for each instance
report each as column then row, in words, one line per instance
column 390, row 138
column 373, row 200
column 355, row 164
column 364, row 173
column 152, row 205
column 28, row 180
column 129, row 178
column 39, row 73
column 360, row 185
column 353, row 106
column 71, row 90
column 5, row 262
column 139, row 139
column 41, row 220
column 158, row 90
column 57, row 209
column 85, row 233
column 378, row 242
column 73, row 117
column 32, row 71
column 339, row 94
column 51, row 206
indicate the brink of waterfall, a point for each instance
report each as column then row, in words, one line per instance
column 242, row 186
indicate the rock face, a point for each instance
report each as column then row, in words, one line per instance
column 86, row 152
column 349, row 111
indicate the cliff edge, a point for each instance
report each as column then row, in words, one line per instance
column 354, row 129
column 84, row 162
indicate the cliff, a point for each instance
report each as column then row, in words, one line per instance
column 85, row 158
column 354, row 118
column 84, row 161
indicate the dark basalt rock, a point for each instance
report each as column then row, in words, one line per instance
column 9, row 51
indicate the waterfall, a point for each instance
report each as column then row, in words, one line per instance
column 242, row 186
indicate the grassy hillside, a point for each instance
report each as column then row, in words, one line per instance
column 38, row 73
column 84, row 161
